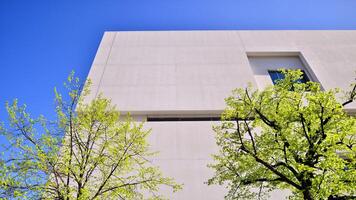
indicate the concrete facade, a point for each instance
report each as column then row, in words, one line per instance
column 189, row 73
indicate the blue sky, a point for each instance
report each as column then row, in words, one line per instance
column 42, row 41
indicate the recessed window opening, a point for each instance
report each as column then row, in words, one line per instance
column 177, row 119
column 266, row 66
column 173, row 119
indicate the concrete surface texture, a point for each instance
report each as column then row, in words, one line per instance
column 189, row 73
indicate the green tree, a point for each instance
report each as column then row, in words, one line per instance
column 292, row 136
column 88, row 152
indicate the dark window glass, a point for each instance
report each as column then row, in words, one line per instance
column 173, row 119
column 277, row 75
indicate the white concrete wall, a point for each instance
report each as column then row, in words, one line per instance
column 185, row 149
column 191, row 72
column 194, row 70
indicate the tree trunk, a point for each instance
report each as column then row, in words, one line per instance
column 307, row 195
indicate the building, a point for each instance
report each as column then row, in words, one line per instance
column 177, row 81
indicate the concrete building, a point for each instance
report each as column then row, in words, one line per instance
column 177, row 80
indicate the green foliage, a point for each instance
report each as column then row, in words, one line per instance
column 291, row 136
column 89, row 152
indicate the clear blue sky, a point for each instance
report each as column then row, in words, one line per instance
column 42, row 41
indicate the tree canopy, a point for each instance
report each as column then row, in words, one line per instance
column 88, row 152
column 291, row 135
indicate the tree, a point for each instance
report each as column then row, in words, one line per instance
column 88, row 152
column 291, row 136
